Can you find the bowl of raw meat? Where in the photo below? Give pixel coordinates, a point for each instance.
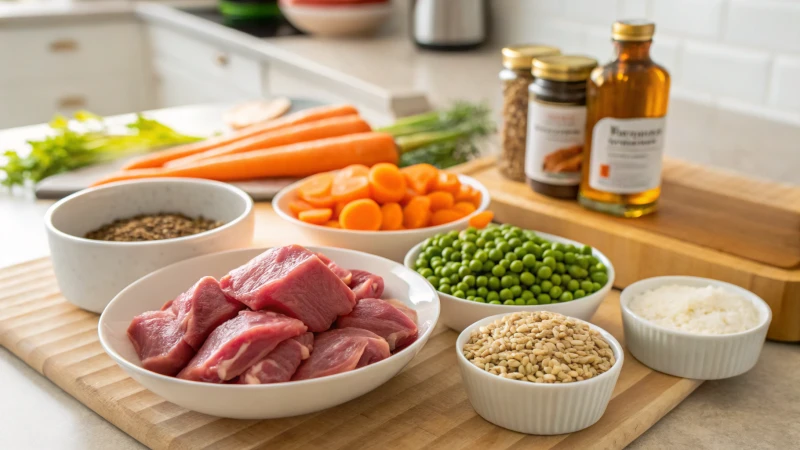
(259, 334)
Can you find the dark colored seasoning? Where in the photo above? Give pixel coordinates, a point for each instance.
(152, 227)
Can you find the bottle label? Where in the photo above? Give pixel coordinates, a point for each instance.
(626, 155)
(554, 149)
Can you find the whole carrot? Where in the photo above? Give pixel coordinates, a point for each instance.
(296, 160)
(158, 159)
(318, 129)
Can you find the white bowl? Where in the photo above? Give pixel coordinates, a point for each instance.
(687, 355)
(91, 272)
(458, 313)
(337, 20)
(389, 244)
(537, 408)
(271, 400)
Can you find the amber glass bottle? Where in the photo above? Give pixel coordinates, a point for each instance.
(626, 104)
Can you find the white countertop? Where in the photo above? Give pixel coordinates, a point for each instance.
(756, 410)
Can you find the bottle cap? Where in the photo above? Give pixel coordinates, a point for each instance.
(563, 67)
(633, 30)
(521, 56)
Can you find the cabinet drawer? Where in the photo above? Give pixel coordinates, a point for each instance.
(209, 61)
(103, 96)
(69, 51)
(175, 86)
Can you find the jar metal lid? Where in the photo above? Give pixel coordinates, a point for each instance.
(563, 67)
(633, 30)
(520, 56)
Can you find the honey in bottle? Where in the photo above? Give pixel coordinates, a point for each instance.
(626, 103)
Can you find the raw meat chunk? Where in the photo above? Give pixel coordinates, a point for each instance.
(382, 318)
(345, 275)
(293, 281)
(201, 309)
(238, 343)
(281, 363)
(158, 340)
(366, 285)
(404, 309)
(342, 350)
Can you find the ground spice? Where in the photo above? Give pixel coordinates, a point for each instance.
(152, 227)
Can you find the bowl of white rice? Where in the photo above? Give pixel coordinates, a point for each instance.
(694, 327)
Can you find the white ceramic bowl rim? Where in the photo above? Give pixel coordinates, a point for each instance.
(619, 355)
(755, 300)
(48, 218)
(120, 359)
(611, 274)
(485, 199)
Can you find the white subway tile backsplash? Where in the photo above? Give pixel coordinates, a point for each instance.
(632, 9)
(598, 44)
(724, 71)
(567, 36)
(545, 7)
(765, 23)
(785, 84)
(666, 51)
(692, 17)
(592, 11)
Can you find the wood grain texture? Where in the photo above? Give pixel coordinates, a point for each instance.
(714, 245)
(425, 406)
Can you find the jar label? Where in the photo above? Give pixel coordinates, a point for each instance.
(555, 141)
(627, 154)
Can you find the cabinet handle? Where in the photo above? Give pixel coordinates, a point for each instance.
(71, 102)
(63, 46)
(222, 59)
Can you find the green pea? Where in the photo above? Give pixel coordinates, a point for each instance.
(487, 266)
(516, 291)
(494, 283)
(426, 272)
(475, 265)
(587, 286)
(543, 299)
(510, 257)
(469, 248)
(507, 281)
(565, 296)
(517, 266)
(505, 263)
(495, 302)
(558, 255)
(536, 289)
(427, 242)
(489, 245)
(537, 251)
(544, 272)
(537, 266)
(527, 278)
(596, 287)
(593, 260)
(520, 252)
(470, 297)
(580, 293)
(577, 272)
(556, 279)
(457, 245)
(560, 247)
(482, 256)
(561, 268)
(600, 278)
(479, 299)
(433, 279)
(573, 285)
(532, 302)
(446, 242)
(506, 294)
(470, 280)
(509, 302)
(421, 263)
(514, 242)
(480, 242)
(519, 301)
(495, 254)
(462, 286)
(583, 263)
(456, 257)
(472, 292)
(549, 254)
(550, 262)
(546, 286)
(482, 281)
(526, 294)
(498, 270)
(556, 291)
(482, 292)
(529, 261)
(565, 279)
(445, 289)
(459, 294)
(492, 295)
(471, 238)
(447, 253)
(570, 258)
(454, 278)
(432, 251)
(503, 247)
(464, 271)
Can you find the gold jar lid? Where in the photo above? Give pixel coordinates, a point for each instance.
(633, 30)
(563, 67)
(520, 56)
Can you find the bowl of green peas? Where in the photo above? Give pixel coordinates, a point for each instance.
(503, 268)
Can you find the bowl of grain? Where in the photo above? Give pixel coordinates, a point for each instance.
(102, 239)
(694, 327)
(538, 372)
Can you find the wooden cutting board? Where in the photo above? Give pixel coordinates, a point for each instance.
(425, 406)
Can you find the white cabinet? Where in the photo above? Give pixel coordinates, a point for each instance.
(60, 69)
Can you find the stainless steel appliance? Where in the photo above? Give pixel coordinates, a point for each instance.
(449, 24)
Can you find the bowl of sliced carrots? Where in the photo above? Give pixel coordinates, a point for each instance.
(383, 209)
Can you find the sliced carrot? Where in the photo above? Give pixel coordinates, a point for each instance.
(447, 182)
(417, 212)
(410, 193)
(444, 216)
(353, 170)
(387, 183)
(476, 198)
(349, 189)
(392, 216)
(298, 206)
(325, 201)
(465, 207)
(440, 200)
(464, 194)
(316, 216)
(421, 177)
(316, 186)
(337, 209)
(362, 214)
(333, 224)
(480, 220)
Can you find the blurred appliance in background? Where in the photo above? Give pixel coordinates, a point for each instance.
(449, 24)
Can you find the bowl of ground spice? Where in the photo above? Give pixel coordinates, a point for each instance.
(103, 239)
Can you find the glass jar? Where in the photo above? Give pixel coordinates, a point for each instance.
(556, 124)
(515, 77)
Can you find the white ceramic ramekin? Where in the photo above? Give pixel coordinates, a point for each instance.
(687, 355)
(535, 408)
(90, 272)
